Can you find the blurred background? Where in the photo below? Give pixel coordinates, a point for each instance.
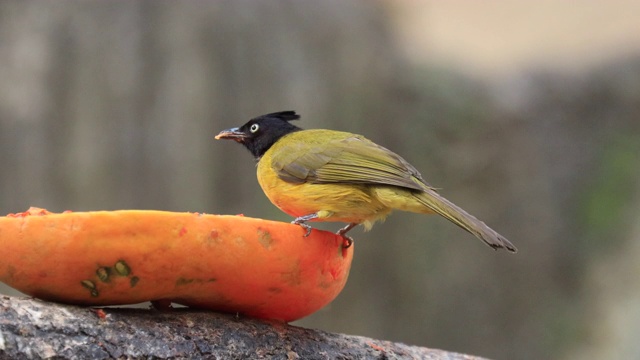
(525, 114)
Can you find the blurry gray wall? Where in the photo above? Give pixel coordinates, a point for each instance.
(114, 105)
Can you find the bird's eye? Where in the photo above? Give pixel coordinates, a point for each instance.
(254, 128)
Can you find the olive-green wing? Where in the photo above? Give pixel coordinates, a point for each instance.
(353, 159)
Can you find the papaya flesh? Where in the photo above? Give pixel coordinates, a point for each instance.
(254, 267)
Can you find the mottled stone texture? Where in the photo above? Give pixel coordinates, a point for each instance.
(31, 329)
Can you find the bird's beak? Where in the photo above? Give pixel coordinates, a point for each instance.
(232, 134)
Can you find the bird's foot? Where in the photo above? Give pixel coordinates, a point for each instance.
(308, 228)
(300, 220)
(348, 240)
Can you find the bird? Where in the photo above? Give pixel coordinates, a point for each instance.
(336, 176)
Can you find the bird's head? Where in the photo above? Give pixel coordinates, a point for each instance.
(259, 133)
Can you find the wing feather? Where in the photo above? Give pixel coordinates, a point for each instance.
(352, 159)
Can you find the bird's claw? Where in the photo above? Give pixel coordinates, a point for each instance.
(348, 241)
(301, 219)
(304, 226)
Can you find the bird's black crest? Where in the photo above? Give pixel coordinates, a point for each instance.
(282, 115)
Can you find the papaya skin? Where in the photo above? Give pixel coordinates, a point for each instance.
(236, 264)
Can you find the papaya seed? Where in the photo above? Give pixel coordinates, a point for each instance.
(88, 284)
(122, 268)
(91, 286)
(103, 273)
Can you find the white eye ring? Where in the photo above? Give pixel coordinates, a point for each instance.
(254, 128)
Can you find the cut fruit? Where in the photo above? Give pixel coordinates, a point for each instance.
(235, 264)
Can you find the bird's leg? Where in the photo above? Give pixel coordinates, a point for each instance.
(342, 232)
(300, 220)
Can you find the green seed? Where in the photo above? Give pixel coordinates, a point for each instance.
(122, 268)
(103, 273)
(88, 284)
(134, 280)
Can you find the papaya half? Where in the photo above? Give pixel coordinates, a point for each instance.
(236, 264)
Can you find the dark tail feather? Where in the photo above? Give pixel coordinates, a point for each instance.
(456, 215)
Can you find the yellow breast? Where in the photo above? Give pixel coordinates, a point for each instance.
(335, 202)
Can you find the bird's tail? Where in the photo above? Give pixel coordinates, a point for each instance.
(438, 204)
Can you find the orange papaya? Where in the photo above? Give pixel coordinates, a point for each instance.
(237, 264)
